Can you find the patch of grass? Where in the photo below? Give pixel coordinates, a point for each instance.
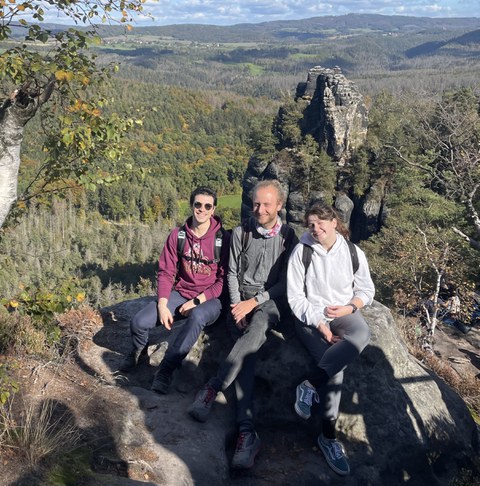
(255, 69)
(70, 469)
(38, 431)
(232, 201)
(301, 56)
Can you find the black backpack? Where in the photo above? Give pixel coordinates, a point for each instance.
(308, 251)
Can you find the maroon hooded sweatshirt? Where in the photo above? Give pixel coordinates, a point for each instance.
(197, 272)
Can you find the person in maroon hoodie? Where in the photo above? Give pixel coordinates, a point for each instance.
(188, 290)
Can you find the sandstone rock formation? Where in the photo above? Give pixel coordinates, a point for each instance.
(333, 112)
(399, 422)
(336, 115)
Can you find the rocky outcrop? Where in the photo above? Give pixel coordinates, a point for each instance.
(330, 109)
(336, 115)
(397, 419)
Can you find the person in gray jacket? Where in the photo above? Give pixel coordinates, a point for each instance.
(259, 252)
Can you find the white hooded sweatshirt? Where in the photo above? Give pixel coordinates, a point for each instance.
(328, 281)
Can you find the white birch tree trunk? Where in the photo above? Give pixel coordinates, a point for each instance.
(11, 137)
(15, 112)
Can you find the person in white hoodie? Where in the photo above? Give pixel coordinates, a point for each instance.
(325, 298)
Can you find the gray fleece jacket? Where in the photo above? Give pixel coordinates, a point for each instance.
(265, 272)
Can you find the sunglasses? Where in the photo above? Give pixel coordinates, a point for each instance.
(198, 205)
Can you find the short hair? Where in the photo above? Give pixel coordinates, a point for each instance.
(270, 183)
(204, 191)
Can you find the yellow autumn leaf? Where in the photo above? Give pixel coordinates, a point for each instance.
(63, 75)
(60, 75)
(80, 297)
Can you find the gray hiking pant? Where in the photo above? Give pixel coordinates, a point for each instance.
(239, 366)
(334, 358)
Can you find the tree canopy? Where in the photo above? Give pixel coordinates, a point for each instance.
(51, 72)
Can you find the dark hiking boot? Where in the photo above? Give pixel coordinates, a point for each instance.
(248, 446)
(134, 358)
(162, 381)
(200, 408)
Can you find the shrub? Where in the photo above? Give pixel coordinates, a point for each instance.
(19, 335)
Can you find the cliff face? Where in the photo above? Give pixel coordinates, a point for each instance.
(336, 115)
(329, 109)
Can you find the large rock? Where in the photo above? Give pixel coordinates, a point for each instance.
(336, 115)
(398, 421)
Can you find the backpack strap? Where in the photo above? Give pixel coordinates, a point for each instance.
(245, 236)
(217, 246)
(182, 235)
(307, 252)
(287, 233)
(354, 255)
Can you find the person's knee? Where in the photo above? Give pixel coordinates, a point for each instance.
(359, 336)
(137, 324)
(199, 318)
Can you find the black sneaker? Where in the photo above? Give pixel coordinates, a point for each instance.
(248, 446)
(200, 408)
(161, 381)
(133, 359)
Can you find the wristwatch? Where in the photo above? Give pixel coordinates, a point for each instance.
(354, 307)
(196, 301)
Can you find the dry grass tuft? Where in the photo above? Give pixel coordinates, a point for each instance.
(39, 431)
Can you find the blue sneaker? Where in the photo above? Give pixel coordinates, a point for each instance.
(334, 454)
(305, 396)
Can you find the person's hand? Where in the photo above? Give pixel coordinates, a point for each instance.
(336, 311)
(242, 309)
(242, 324)
(325, 331)
(186, 308)
(166, 318)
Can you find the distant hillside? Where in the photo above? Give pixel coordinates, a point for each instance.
(469, 41)
(305, 30)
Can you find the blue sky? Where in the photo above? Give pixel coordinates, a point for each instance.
(221, 12)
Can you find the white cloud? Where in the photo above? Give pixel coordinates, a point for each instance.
(221, 12)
